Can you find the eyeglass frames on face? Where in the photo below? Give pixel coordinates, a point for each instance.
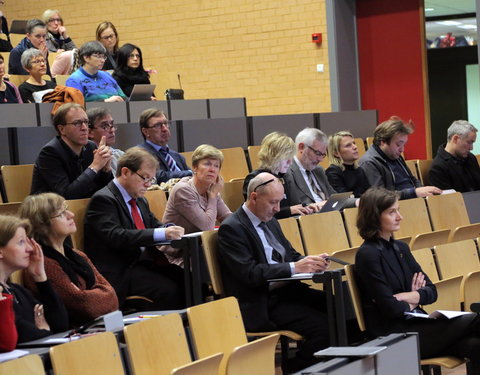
(107, 126)
(99, 56)
(63, 213)
(78, 123)
(158, 125)
(316, 152)
(146, 180)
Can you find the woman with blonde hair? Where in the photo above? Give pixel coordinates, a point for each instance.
(276, 154)
(343, 173)
(107, 35)
(57, 36)
(85, 292)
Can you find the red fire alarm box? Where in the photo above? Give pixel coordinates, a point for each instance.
(317, 38)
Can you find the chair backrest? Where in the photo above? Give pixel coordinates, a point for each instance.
(51, 57)
(9, 208)
(253, 156)
(447, 211)
(415, 218)
(348, 255)
(17, 277)
(465, 232)
(457, 258)
(157, 345)
(355, 294)
(232, 194)
(216, 327)
(256, 357)
(369, 141)
(15, 39)
(470, 289)
(17, 79)
(323, 233)
(425, 259)
(430, 239)
(423, 167)
(61, 79)
(205, 366)
(210, 248)
(412, 165)
(188, 157)
(157, 200)
(350, 217)
(360, 143)
(449, 298)
(234, 163)
(29, 365)
(97, 354)
(291, 231)
(79, 208)
(17, 180)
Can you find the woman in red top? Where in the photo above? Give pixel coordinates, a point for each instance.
(8, 331)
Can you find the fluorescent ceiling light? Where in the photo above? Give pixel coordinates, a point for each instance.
(429, 9)
(449, 23)
(467, 27)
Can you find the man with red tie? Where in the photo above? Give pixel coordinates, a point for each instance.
(121, 233)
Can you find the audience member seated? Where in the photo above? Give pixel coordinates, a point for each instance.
(306, 181)
(8, 331)
(5, 45)
(343, 173)
(36, 65)
(65, 63)
(252, 250)
(384, 165)
(71, 165)
(121, 233)
(85, 293)
(276, 153)
(129, 71)
(34, 318)
(57, 36)
(107, 35)
(36, 38)
(101, 125)
(455, 167)
(8, 91)
(155, 129)
(95, 85)
(392, 283)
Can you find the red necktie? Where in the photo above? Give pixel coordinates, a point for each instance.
(137, 219)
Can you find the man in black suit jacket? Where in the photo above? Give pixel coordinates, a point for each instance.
(70, 164)
(121, 232)
(155, 130)
(250, 257)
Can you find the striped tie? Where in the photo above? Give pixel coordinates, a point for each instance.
(171, 164)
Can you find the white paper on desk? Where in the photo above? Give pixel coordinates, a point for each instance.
(12, 355)
(297, 276)
(350, 351)
(439, 314)
(61, 340)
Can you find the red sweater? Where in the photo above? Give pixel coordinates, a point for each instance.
(8, 332)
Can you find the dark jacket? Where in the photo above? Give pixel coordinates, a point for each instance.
(15, 64)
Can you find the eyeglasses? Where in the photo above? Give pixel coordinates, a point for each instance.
(146, 180)
(62, 213)
(55, 20)
(316, 152)
(158, 125)
(134, 55)
(107, 126)
(39, 61)
(107, 37)
(99, 56)
(263, 184)
(78, 123)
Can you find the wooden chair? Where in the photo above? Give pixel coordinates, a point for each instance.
(253, 156)
(17, 277)
(323, 233)
(429, 239)
(188, 157)
(61, 79)
(360, 143)
(29, 365)
(447, 211)
(427, 364)
(217, 327)
(350, 217)
(348, 255)
(234, 163)
(470, 290)
(79, 208)
(17, 79)
(205, 366)
(9, 208)
(232, 194)
(17, 180)
(423, 167)
(148, 355)
(449, 298)
(369, 141)
(97, 354)
(291, 231)
(51, 57)
(415, 218)
(457, 258)
(412, 165)
(15, 39)
(425, 259)
(209, 243)
(465, 232)
(157, 200)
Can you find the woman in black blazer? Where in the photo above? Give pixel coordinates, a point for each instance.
(392, 283)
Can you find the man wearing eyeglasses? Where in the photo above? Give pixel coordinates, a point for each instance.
(121, 233)
(70, 164)
(155, 130)
(252, 250)
(306, 179)
(36, 38)
(101, 125)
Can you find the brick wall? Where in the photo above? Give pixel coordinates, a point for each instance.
(260, 50)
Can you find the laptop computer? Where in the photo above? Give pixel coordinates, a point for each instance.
(142, 93)
(336, 201)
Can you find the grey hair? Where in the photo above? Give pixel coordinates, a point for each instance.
(89, 48)
(308, 135)
(33, 23)
(28, 55)
(95, 113)
(49, 13)
(461, 128)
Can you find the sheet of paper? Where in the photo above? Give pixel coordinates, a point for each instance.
(12, 355)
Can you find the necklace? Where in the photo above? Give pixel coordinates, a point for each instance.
(8, 290)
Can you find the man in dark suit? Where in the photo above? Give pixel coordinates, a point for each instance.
(155, 129)
(306, 181)
(70, 164)
(121, 233)
(253, 250)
